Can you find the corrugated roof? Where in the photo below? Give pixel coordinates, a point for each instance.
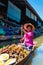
(32, 9)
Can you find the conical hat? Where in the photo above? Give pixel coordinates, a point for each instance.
(29, 24)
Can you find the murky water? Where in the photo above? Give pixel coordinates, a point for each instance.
(37, 58)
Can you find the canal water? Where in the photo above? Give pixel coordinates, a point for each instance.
(37, 58)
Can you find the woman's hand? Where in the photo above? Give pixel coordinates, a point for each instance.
(21, 40)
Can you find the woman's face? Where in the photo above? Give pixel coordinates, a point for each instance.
(29, 29)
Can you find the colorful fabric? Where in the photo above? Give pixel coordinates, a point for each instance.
(28, 38)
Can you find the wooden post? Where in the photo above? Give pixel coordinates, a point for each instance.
(21, 31)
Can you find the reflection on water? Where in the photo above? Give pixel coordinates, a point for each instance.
(37, 58)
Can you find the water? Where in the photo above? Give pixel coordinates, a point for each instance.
(37, 58)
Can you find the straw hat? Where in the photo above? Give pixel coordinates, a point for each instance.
(29, 24)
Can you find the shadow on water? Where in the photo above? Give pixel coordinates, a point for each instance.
(38, 36)
(30, 62)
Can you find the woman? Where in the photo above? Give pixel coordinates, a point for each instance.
(28, 36)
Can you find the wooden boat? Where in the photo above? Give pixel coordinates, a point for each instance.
(24, 60)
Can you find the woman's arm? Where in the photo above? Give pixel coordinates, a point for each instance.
(24, 31)
(22, 39)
